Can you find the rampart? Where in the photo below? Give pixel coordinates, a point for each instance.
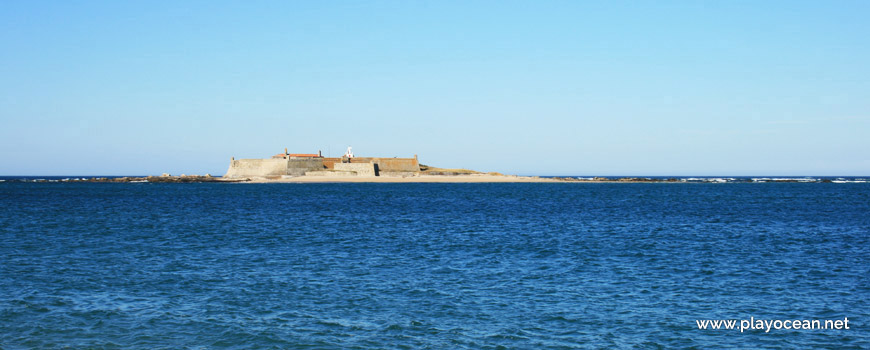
(384, 164)
(299, 166)
(273, 167)
(390, 164)
(361, 169)
(256, 167)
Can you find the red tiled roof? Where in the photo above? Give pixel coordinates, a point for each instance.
(300, 155)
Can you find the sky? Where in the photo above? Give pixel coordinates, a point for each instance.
(707, 88)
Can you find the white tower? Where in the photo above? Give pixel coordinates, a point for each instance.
(349, 153)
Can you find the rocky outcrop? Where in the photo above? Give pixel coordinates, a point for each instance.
(153, 179)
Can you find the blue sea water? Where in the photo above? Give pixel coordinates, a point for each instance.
(440, 266)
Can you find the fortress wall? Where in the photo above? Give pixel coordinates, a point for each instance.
(328, 162)
(361, 169)
(397, 164)
(256, 167)
(298, 166)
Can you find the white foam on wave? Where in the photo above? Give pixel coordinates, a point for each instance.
(709, 179)
(785, 179)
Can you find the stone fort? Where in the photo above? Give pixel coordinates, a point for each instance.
(295, 164)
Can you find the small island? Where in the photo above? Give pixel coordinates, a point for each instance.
(314, 167)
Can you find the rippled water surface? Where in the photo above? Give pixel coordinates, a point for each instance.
(442, 266)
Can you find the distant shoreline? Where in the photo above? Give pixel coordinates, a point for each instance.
(426, 178)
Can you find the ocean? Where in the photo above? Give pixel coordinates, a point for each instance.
(438, 266)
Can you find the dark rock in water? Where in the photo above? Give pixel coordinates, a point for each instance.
(163, 178)
(566, 179)
(186, 179)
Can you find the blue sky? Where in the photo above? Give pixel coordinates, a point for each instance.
(541, 88)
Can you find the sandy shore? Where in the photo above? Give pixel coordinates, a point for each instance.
(410, 179)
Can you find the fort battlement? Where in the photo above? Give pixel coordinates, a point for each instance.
(290, 164)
